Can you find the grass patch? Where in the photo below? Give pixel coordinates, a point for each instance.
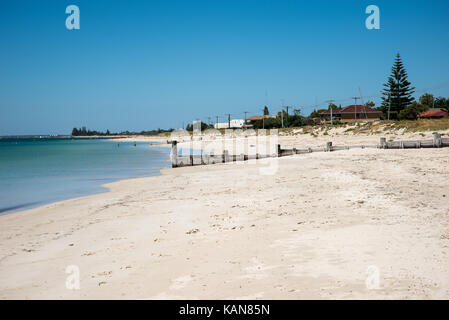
(422, 125)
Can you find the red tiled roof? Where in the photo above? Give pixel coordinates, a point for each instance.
(352, 109)
(359, 109)
(255, 118)
(433, 113)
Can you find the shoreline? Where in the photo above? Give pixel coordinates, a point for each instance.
(226, 231)
(97, 186)
(285, 139)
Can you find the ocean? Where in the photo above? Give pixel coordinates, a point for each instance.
(36, 171)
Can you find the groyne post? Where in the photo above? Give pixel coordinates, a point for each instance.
(174, 154)
(437, 140)
(225, 156)
(383, 143)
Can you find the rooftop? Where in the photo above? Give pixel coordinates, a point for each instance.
(433, 113)
(352, 109)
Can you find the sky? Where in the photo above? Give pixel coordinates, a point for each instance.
(142, 65)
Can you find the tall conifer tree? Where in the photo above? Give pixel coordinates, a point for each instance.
(398, 90)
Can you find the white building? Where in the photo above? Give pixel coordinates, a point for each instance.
(234, 124)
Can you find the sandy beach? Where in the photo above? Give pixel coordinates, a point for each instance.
(215, 158)
(319, 227)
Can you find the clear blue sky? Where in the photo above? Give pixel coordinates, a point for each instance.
(138, 65)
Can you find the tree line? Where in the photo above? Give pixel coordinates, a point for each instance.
(283, 119)
(86, 132)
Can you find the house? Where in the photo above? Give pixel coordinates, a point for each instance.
(352, 113)
(359, 112)
(433, 114)
(251, 120)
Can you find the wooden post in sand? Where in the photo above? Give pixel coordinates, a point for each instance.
(329, 146)
(174, 154)
(436, 140)
(225, 156)
(279, 150)
(383, 143)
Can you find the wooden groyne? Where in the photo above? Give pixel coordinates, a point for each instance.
(436, 142)
(205, 159)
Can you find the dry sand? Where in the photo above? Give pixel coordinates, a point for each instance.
(316, 228)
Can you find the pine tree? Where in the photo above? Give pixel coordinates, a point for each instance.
(265, 111)
(398, 90)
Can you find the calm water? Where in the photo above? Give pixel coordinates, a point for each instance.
(38, 171)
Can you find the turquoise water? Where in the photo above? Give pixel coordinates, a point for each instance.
(38, 171)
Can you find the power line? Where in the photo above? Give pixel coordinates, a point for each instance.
(363, 104)
(355, 107)
(331, 103)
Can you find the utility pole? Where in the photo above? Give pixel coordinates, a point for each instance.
(263, 118)
(355, 107)
(389, 105)
(363, 104)
(286, 116)
(229, 120)
(216, 122)
(331, 102)
(282, 113)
